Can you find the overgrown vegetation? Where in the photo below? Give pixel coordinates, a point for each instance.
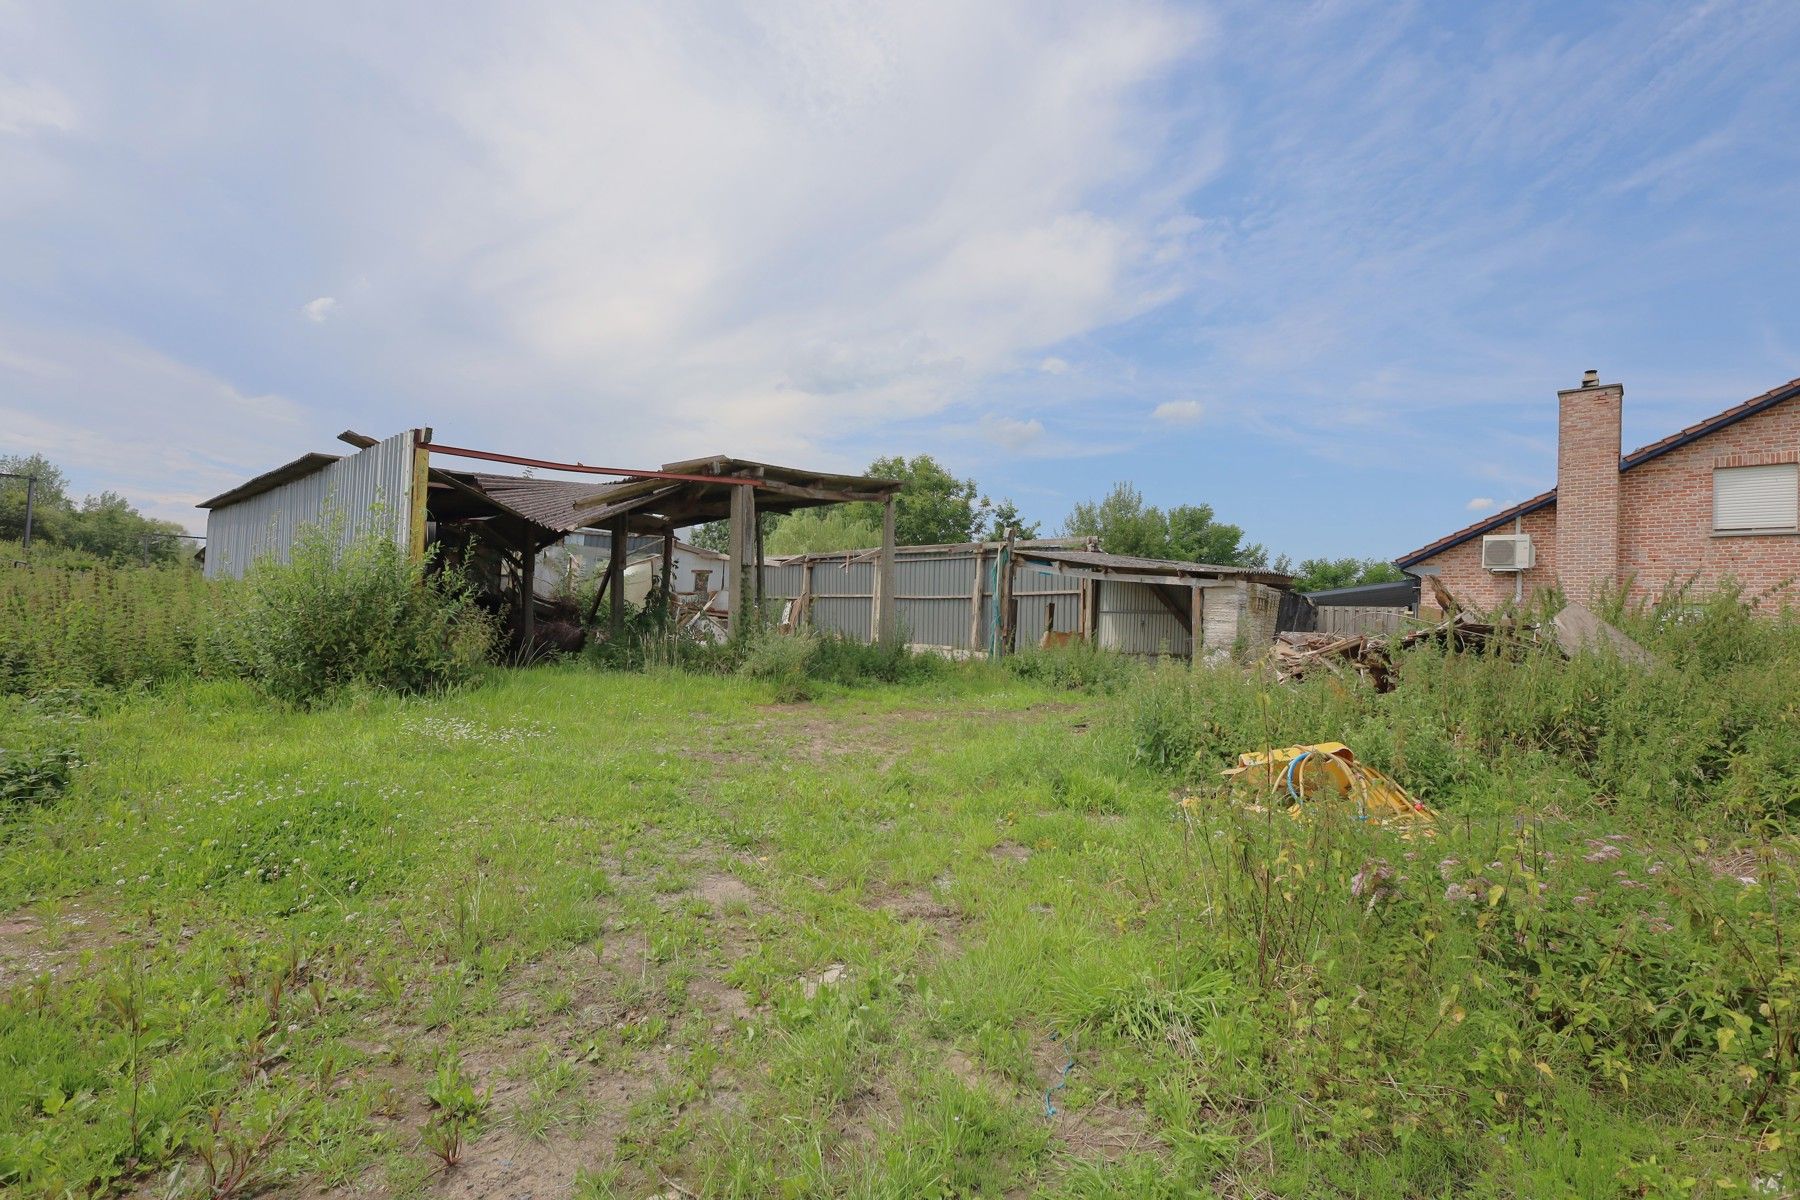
(103, 627)
(339, 616)
(979, 930)
(358, 613)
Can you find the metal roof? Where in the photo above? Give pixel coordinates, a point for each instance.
(301, 467)
(1100, 564)
(546, 502)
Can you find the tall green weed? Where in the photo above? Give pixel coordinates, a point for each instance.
(361, 613)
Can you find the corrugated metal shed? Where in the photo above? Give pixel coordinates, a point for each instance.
(1134, 621)
(367, 492)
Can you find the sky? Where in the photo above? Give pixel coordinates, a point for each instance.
(1321, 265)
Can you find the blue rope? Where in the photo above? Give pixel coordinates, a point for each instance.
(1060, 1084)
(1287, 776)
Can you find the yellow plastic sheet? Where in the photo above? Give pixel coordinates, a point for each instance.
(1326, 773)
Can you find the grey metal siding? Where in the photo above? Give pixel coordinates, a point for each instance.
(372, 489)
(1035, 590)
(1134, 621)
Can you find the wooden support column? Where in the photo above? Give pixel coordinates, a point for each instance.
(886, 622)
(1197, 624)
(527, 593)
(975, 606)
(667, 585)
(738, 591)
(760, 584)
(615, 574)
(1005, 607)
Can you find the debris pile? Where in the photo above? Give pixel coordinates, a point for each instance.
(1371, 655)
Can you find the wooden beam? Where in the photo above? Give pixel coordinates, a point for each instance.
(668, 575)
(743, 533)
(823, 495)
(975, 604)
(759, 565)
(887, 621)
(527, 597)
(615, 570)
(1181, 613)
(1197, 625)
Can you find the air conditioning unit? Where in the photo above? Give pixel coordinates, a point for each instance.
(1508, 552)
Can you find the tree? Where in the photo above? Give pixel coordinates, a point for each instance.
(933, 507)
(50, 499)
(107, 525)
(1004, 516)
(818, 530)
(1186, 533)
(1320, 574)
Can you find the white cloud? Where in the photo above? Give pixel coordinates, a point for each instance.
(1053, 366)
(317, 311)
(1480, 504)
(114, 414)
(31, 106)
(1179, 412)
(1013, 433)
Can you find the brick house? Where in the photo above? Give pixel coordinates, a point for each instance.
(1718, 500)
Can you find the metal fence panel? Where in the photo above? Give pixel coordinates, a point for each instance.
(1350, 619)
(371, 489)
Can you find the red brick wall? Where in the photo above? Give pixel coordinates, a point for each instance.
(1460, 570)
(1587, 488)
(1665, 527)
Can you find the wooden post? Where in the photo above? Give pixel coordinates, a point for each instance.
(527, 594)
(615, 573)
(975, 606)
(666, 600)
(760, 572)
(887, 625)
(1005, 608)
(421, 491)
(1197, 625)
(738, 592)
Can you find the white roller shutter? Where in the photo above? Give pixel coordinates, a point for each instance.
(1756, 498)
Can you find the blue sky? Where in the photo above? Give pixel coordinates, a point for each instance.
(1320, 265)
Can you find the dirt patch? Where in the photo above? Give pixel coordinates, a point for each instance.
(1009, 852)
(1101, 1128)
(503, 1162)
(34, 944)
(721, 1000)
(721, 891)
(1104, 1131)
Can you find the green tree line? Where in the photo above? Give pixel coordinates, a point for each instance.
(106, 525)
(936, 507)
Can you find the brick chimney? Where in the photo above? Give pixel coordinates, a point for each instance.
(1587, 485)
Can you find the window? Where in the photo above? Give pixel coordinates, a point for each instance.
(1756, 499)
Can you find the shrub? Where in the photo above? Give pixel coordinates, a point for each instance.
(1079, 666)
(362, 613)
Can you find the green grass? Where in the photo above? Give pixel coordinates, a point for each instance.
(679, 938)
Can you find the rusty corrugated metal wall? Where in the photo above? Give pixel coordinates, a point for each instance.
(371, 489)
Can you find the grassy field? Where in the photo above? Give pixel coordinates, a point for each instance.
(603, 934)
